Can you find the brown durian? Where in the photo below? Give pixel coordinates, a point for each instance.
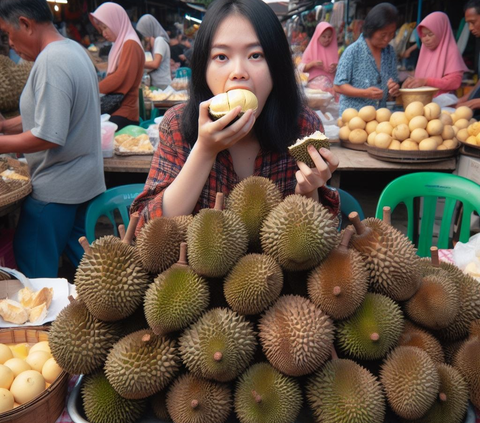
(467, 361)
(413, 336)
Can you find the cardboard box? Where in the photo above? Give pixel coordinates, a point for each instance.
(469, 167)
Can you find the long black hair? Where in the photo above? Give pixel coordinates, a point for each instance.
(277, 126)
(382, 15)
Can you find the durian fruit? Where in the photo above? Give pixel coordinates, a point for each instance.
(452, 401)
(413, 336)
(342, 391)
(219, 346)
(475, 328)
(339, 284)
(411, 381)
(183, 222)
(467, 361)
(299, 150)
(158, 244)
(253, 284)
(264, 395)
(299, 233)
(296, 335)
(141, 364)
(110, 279)
(389, 257)
(252, 199)
(216, 240)
(79, 342)
(372, 330)
(194, 400)
(158, 403)
(102, 404)
(222, 103)
(450, 349)
(176, 298)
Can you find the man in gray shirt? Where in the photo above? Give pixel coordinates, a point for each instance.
(58, 130)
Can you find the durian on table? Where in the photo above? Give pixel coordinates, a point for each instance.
(246, 338)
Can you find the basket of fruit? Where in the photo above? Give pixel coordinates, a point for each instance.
(33, 387)
(14, 181)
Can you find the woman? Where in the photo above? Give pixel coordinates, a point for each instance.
(157, 41)
(240, 44)
(438, 47)
(320, 58)
(367, 71)
(125, 61)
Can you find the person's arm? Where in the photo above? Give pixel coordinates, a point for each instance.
(473, 104)
(406, 54)
(25, 142)
(465, 97)
(373, 93)
(314, 64)
(11, 126)
(155, 63)
(449, 82)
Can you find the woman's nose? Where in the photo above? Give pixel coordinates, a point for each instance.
(239, 70)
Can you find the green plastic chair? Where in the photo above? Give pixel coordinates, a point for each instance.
(183, 73)
(118, 198)
(431, 186)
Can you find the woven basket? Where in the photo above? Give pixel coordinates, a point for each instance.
(15, 190)
(50, 403)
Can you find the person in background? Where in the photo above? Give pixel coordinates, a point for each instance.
(59, 133)
(158, 44)
(438, 47)
(320, 58)
(177, 49)
(367, 71)
(240, 44)
(125, 61)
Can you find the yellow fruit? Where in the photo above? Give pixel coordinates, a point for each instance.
(37, 359)
(344, 133)
(371, 139)
(394, 145)
(51, 370)
(41, 346)
(356, 123)
(6, 376)
(358, 136)
(408, 145)
(348, 114)
(442, 147)
(371, 126)
(20, 350)
(17, 365)
(7, 401)
(464, 112)
(398, 118)
(448, 133)
(383, 140)
(432, 111)
(454, 117)
(415, 108)
(462, 123)
(339, 122)
(367, 113)
(428, 144)
(383, 115)
(446, 118)
(27, 386)
(5, 353)
(462, 135)
(471, 140)
(384, 128)
(435, 127)
(450, 143)
(474, 129)
(418, 135)
(438, 139)
(401, 132)
(418, 122)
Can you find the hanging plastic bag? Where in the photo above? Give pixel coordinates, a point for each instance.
(467, 256)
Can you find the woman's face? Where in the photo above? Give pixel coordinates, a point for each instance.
(106, 32)
(383, 36)
(237, 61)
(429, 39)
(326, 38)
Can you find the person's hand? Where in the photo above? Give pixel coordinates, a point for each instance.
(218, 135)
(473, 104)
(414, 82)
(393, 88)
(310, 179)
(319, 64)
(373, 93)
(332, 68)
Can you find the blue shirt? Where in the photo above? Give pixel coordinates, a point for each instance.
(358, 68)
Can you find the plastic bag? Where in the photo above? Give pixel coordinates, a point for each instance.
(467, 256)
(132, 130)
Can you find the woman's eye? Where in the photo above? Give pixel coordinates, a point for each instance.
(220, 57)
(256, 55)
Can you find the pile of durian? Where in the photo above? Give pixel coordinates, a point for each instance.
(263, 312)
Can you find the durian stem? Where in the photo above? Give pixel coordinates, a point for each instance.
(71, 299)
(257, 397)
(387, 215)
(442, 396)
(374, 336)
(183, 254)
(434, 256)
(194, 403)
(357, 223)
(333, 353)
(134, 218)
(219, 201)
(347, 235)
(85, 245)
(218, 356)
(337, 291)
(146, 337)
(121, 231)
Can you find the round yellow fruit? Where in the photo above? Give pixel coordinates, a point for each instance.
(408, 145)
(7, 401)
(20, 350)
(17, 365)
(356, 123)
(358, 136)
(348, 114)
(398, 118)
(51, 370)
(371, 126)
(339, 122)
(27, 386)
(448, 132)
(446, 118)
(382, 140)
(367, 113)
(462, 123)
(6, 376)
(462, 134)
(478, 139)
(415, 108)
(384, 128)
(418, 122)
(394, 145)
(401, 132)
(449, 144)
(437, 138)
(383, 115)
(454, 117)
(41, 346)
(37, 359)
(344, 133)
(464, 112)
(5, 353)
(442, 147)
(418, 135)
(428, 144)
(432, 111)
(471, 140)
(371, 139)
(435, 127)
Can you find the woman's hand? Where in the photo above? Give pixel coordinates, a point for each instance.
(218, 135)
(414, 82)
(316, 64)
(393, 88)
(333, 68)
(373, 93)
(310, 179)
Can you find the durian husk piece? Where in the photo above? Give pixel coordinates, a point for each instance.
(411, 381)
(413, 336)
(467, 361)
(296, 335)
(299, 150)
(193, 399)
(339, 284)
(263, 394)
(222, 103)
(13, 312)
(344, 392)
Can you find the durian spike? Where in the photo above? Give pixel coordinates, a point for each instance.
(256, 397)
(194, 403)
(374, 336)
(333, 353)
(347, 235)
(86, 246)
(134, 218)
(442, 396)
(218, 356)
(121, 231)
(219, 201)
(434, 256)
(387, 215)
(360, 228)
(182, 261)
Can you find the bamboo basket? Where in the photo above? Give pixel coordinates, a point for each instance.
(47, 407)
(11, 192)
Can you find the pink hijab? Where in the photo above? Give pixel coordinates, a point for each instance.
(114, 16)
(446, 58)
(315, 51)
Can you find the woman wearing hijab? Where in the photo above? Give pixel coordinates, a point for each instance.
(320, 58)
(157, 42)
(439, 64)
(125, 61)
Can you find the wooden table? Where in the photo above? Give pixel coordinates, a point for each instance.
(131, 164)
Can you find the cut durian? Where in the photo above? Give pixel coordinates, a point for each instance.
(13, 312)
(299, 150)
(38, 313)
(222, 103)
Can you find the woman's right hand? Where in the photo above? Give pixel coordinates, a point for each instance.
(373, 93)
(218, 135)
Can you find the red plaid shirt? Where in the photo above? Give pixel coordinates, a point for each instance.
(172, 153)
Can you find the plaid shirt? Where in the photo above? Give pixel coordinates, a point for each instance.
(172, 153)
